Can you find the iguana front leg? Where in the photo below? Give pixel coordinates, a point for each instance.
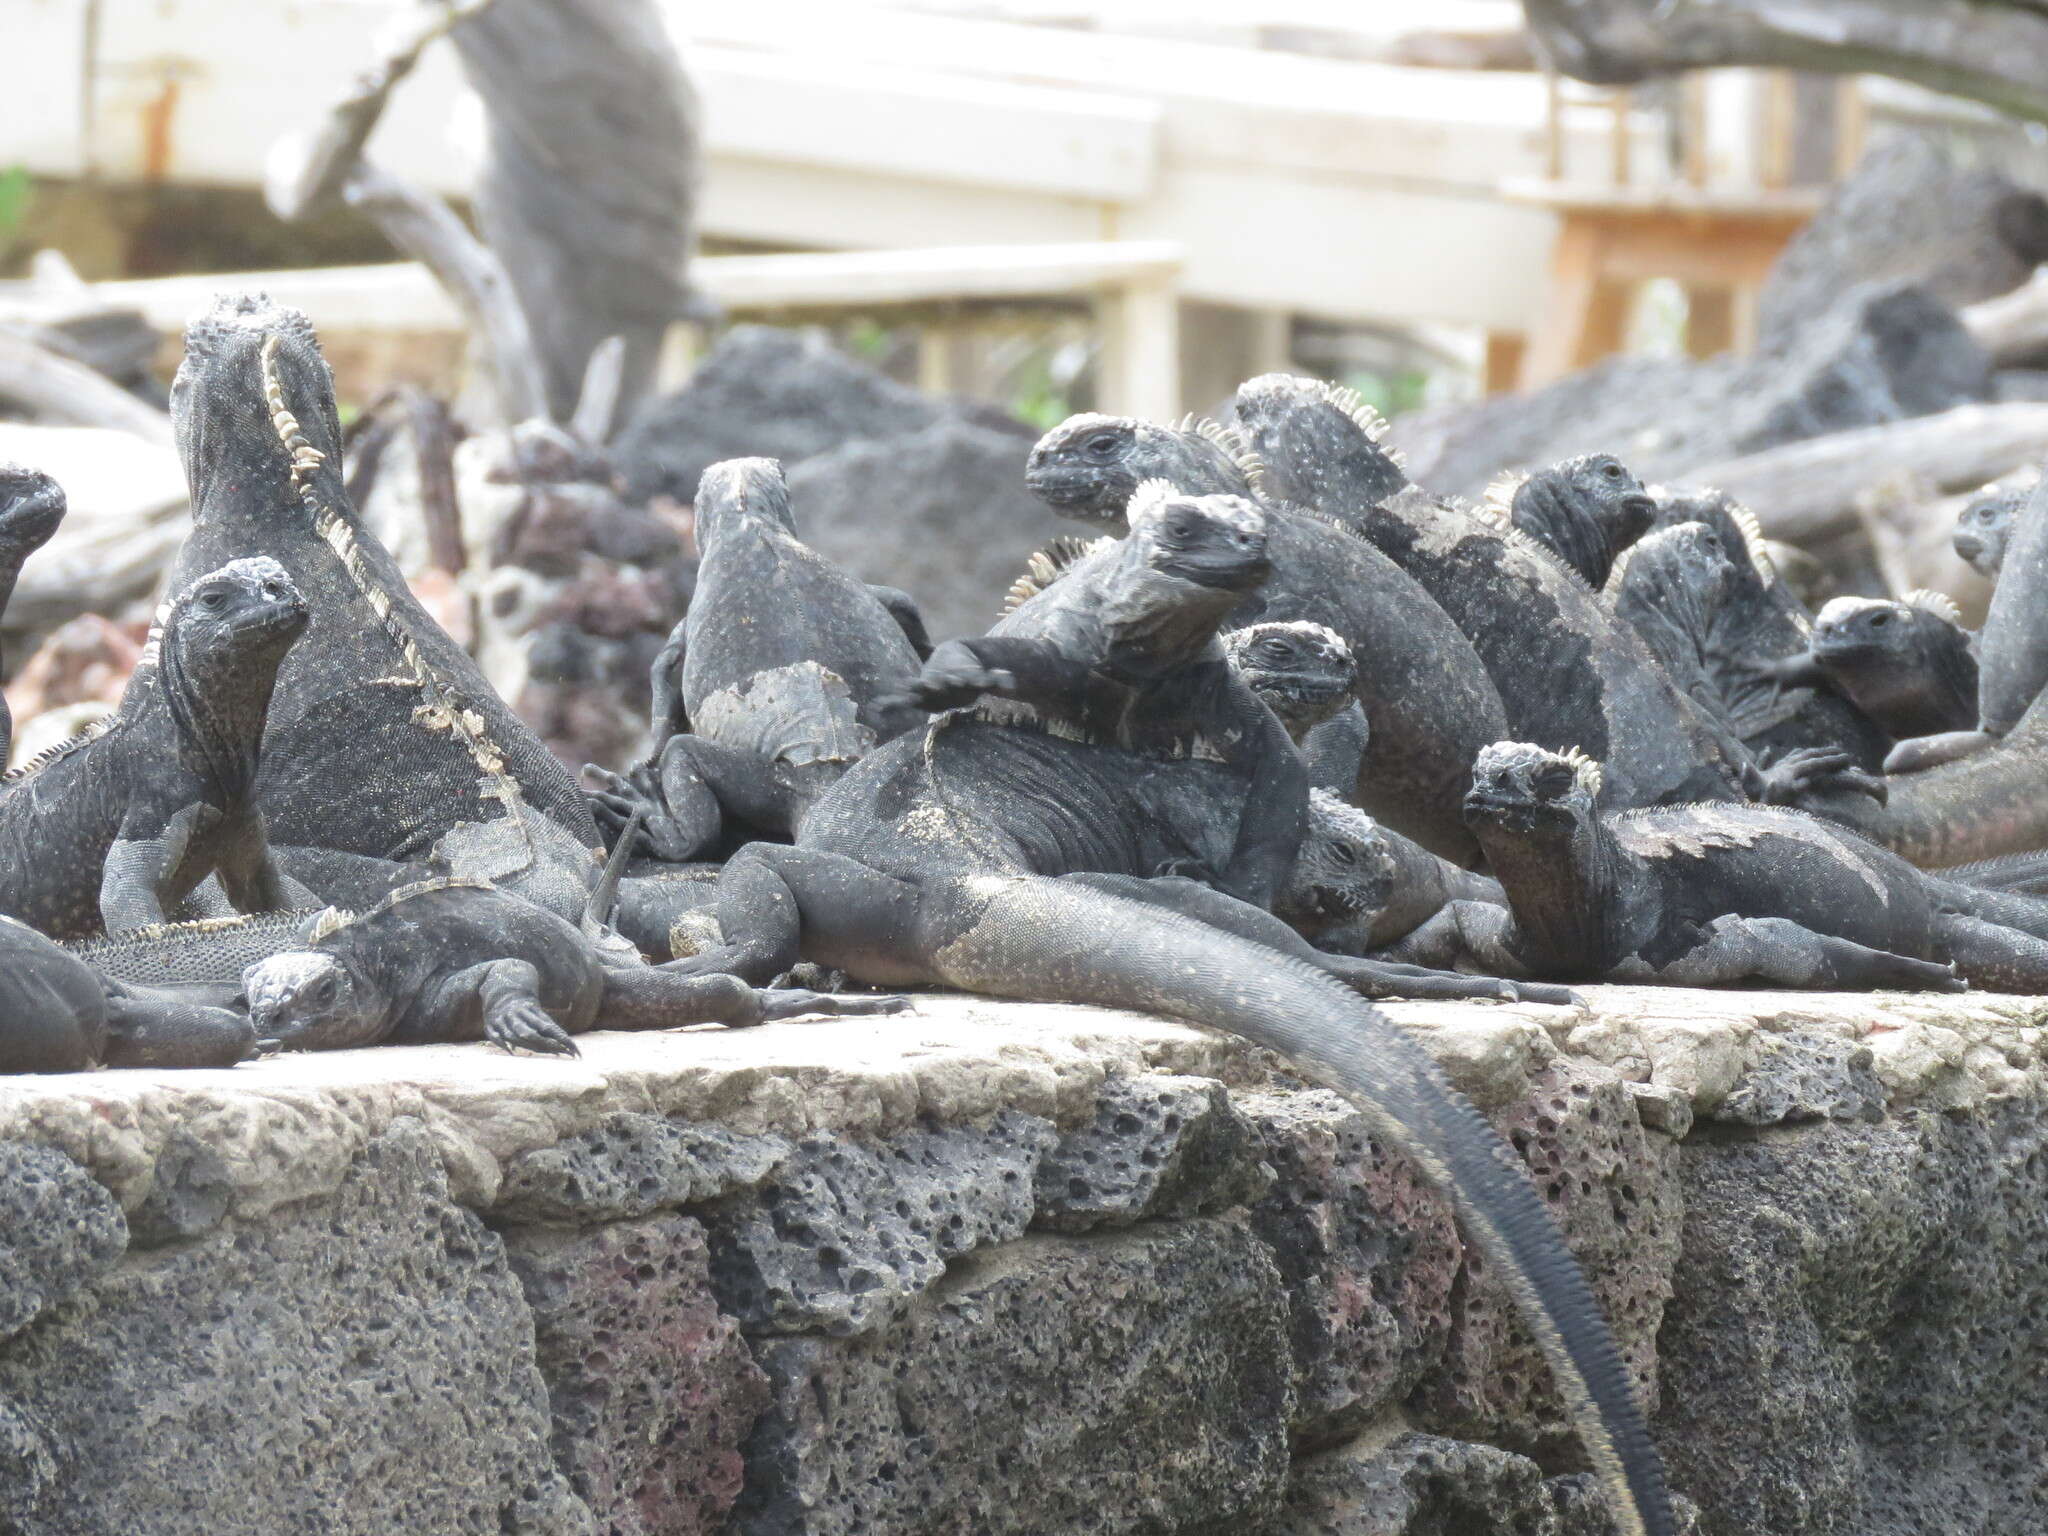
(1037, 672)
(507, 994)
(150, 868)
(1335, 749)
(1780, 952)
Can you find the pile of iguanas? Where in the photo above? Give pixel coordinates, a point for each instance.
(1289, 734)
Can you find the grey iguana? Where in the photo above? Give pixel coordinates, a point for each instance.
(1586, 511)
(1308, 677)
(116, 827)
(1907, 663)
(31, 507)
(1984, 525)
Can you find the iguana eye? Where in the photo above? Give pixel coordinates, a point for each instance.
(1611, 470)
(1278, 650)
(212, 600)
(1879, 619)
(1555, 780)
(1342, 853)
(1103, 445)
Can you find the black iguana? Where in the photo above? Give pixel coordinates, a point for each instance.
(384, 741)
(116, 827)
(769, 687)
(1907, 663)
(1308, 677)
(58, 1014)
(1567, 671)
(451, 959)
(31, 507)
(1586, 511)
(1983, 527)
(1713, 895)
(1426, 696)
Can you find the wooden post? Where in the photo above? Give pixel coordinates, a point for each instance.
(1139, 373)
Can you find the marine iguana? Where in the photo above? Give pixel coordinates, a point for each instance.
(1308, 677)
(31, 507)
(1428, 700)
(1984, 526)
(57, 1014)
(773, 683)
(1670, 587)
(114, 828)
(1586, 511)
(1906, 663)
(384, 739)
(1760, 620)
(1712, 895)
(449, 960)
(1568, 673)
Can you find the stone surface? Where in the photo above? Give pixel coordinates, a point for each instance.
(633, 1165)
(1112, 1383)
(1800, 1075)
(1421, 1485)
(360, 1364)
(59, 1231)
(652, 1389)
(1157, 1147)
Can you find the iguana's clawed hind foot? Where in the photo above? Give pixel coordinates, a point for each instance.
(521, 1024)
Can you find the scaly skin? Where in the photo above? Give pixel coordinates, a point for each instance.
(1586, 511)
(1567, 672)
(1713, 895)
(384, 738)
(31, 507)
(116, 828)
(1427, 699)
(1907, 665)
(769, 688)
(1309, 679)
(1983, 528)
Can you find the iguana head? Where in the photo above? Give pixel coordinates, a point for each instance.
(1088, 467)
(31, 507)
(1213, 542)
(309, 1000)
(1344, 872)
(1687, 563)
(1984, 526)
(219, 652)
(734, 490)
(1855, 634)
(1587, 509)
(1305, 672)
(1524, 791)
(253, 406)
(1316, 442)
(247, 609)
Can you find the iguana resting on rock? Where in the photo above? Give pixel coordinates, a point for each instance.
(116, 827)
(1586, 511)
(31, 507)
(1427, 697)
(1308, 677)
(1712, 895)
(1907, 664)
(384, 741)
(57, 1014)
(1670, 587)
(1758, 621)
(769, 688)
(450, 960)
(1984, 526)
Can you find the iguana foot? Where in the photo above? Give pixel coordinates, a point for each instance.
(953, 678)
(617, 800)
(1798, 772)
(794, 1002)
(521, 1024)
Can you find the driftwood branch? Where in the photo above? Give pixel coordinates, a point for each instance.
(56, 389)
(2013, 325)
(1986, 50)
(1807, 490)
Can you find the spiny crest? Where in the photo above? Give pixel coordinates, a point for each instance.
(64, 748)
(1147, 500)
(1353, 404)
(419, 888)
(1228, 441)
(305, 457)
(1940, 604)
(1753, 540)
(329, 922)
(192, 929)
(1497, 506)
(1585, 769)
(1047, 565)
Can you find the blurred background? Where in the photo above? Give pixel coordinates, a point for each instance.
(564, 253)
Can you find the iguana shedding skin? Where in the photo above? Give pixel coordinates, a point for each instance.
(114, 828)
(1713, 895)
(451, 960)
(1984, 526)
(1567, 672)
(1308, 677)
(1907, 664)
(384, 738)
(58, 1014)
(31, 507)
(771, 685)
(1586, 511)
(1670, 587)
(1425, 694)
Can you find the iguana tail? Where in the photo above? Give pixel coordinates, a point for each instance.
(1046, 940)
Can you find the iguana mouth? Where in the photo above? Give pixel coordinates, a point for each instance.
(1071, 490)
(35, 517)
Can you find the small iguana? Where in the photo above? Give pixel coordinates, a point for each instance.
(116, 827)
(57, 1014)
(2012, 650)
(1906, 663)
(384, 740)
(769, 687)
(1566, 670)
(1425, 694)
(452, 960)
(1671, 587)
(1983, 527)
(1713, 895)
(1308, 677)
(1586, 511)
(31, 507)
